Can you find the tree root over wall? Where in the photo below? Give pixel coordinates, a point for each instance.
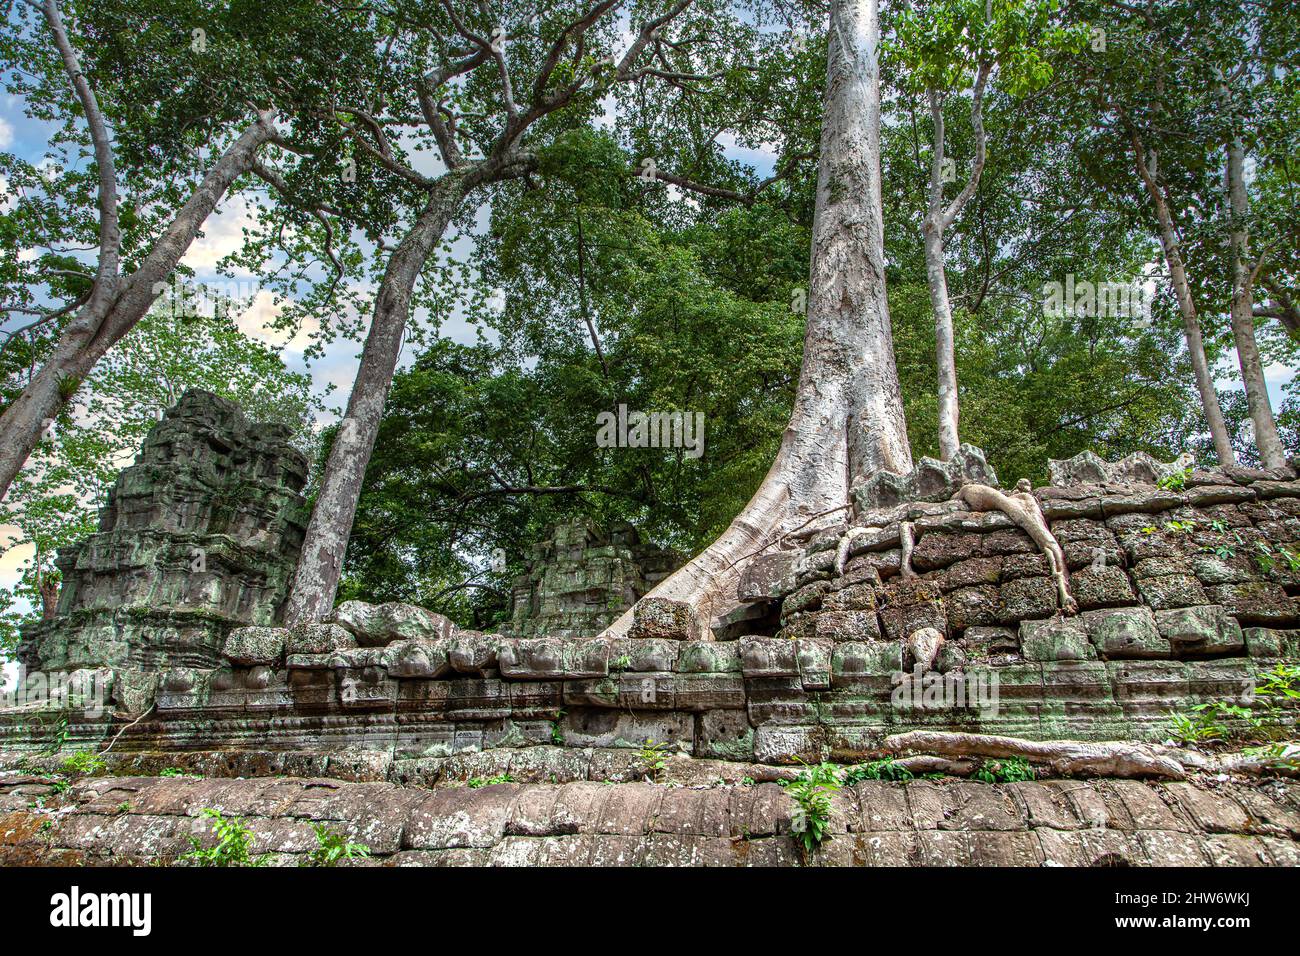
(1081, 759)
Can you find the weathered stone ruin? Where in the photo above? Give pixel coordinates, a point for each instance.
(927, 615)
(199, 535)
(580, 580)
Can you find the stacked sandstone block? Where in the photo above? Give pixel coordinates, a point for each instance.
(580, 579)
(199, 535)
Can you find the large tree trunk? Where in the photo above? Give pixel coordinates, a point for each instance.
(1187, 306)
(316, 580)
(1271, 452)
(106, 318)
(848, 412)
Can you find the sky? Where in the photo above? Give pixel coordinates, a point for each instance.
(223, 234)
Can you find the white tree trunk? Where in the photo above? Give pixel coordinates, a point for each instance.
(316, 580)
(1271, 452)
(848, 411)
(936, 278)
(937, 220)
(106, 318)
(1187, 306)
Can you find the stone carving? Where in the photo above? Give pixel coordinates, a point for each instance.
(923, 647)
(581, 579)
(199, 535)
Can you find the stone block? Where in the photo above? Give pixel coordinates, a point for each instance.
(841, 626)
(1055, 639)
(1172, 591)
(1126, 633)
(471, 653)
(854, 597)
(768, 576)
(853, 661)
(318, 639)
(1194, 631)
(376, 625)
(814, 659)
(1256, 602)
(1101, 587)
(769, 657)
(707, 657)
(1026, 598)
(644, 654)
(664, 619)
(422, 659)
(972, 607)
(248, 646)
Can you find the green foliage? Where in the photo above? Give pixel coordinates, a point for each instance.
(1175, 480)
(1276, 756)
(475, 783)
(178, 772)
(654, 758)
(232, 848)
(1268, 557)
(84, 763)
(1198, 724)
(884, 769)
(812, 791)
(332, 848)
(1005, 770)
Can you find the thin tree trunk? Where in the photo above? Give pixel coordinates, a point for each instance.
(316, 580)
(104, 320)
(938, 219)
(936, 277)
(945, 349)
(1271, 452)
(1187, 306)
(848, 419)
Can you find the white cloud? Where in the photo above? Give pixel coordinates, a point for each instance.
(257, 322)
(223, 233)
(6, 133)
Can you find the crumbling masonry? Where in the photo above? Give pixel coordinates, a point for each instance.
(1183, 592)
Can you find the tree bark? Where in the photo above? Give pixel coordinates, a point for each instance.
(316, 580)
(105, 319)
(1271, 452)
(937, 220)
(848, 419)
(1187, 307)
(1068, 758)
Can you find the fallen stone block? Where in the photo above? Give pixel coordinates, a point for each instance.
(376, 625)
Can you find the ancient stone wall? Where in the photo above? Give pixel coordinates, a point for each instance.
(1185, 597)
(134, 820)
(927, 616)
(199, 535)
